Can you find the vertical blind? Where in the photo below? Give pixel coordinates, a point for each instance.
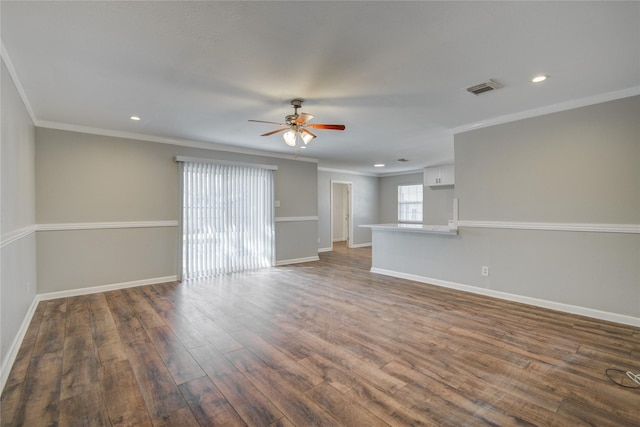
(227, 219)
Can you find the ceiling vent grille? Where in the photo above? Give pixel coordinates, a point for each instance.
(484, 87)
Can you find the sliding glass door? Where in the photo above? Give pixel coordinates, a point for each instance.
(227, 218)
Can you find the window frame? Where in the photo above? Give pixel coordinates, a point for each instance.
(410, 202)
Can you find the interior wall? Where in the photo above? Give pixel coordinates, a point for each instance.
(364, 207)
(85, 181)
(388, 205)
(573, 167)
(17, 217)
(437, 203)
(577, 166)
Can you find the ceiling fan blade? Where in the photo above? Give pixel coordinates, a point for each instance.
(326, 126)
(274, 131)
(273, 123)
(303, 118)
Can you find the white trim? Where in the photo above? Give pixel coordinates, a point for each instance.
(172, 141)
(14, 236)
(16, 82)
(12, 353)
(105, 288)
(224, 162)
(296, 218)
(325, 250)
(384, 175)
(348, 172)
(105, 225)
(297, 260)
(563, 106)
(360, 245)
(567, 308)
(595, 228)
(404, 227)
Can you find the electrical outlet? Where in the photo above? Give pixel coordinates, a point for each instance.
(485, 271)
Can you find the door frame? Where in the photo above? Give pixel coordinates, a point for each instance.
(349, 185)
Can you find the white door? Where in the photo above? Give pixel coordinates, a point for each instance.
(341, 212)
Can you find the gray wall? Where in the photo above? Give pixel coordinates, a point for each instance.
(365, 193)
(577, 166)
(85, 178)
(437, 202)
(17, 213)
(580, 165)
(388, 204)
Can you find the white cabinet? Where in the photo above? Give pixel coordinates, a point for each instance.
(439, 176)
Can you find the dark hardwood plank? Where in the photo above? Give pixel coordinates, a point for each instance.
(295, 405)
(344, 411)
(158, 389)
(179, 361)
(40, 398)
(253, 407)
(104, 330)
(149, 318)
(321, 343)
(52, 328)
(15, 382)
(360, 391)
(84, 409)
(209, 405)
(181, 417)
(124, 404)
(127, 322)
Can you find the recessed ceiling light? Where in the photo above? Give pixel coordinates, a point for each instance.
(538, 79)
(136, 118)
(378, 165)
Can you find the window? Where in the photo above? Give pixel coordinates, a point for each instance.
(410, 203)
(227, 219)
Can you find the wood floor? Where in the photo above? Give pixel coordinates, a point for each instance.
(322, 343)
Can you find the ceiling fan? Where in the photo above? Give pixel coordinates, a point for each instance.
(296, 127)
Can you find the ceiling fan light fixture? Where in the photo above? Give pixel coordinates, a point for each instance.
(306, 137)
(290, 138)
(295, 132)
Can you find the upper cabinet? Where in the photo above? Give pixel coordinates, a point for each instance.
(439, 176)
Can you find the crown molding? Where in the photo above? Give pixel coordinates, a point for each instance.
(549, 109)
(411, 172)
(213, 146)
(322, 169)
(16, 81)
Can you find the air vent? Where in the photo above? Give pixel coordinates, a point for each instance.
(403, 160)
(484, 87)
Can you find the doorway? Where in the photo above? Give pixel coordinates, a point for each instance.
(341, 223)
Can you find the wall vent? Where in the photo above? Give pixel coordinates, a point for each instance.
(484, 87)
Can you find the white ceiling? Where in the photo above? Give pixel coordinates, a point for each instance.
(393, 72)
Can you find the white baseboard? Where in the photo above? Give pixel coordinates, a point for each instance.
(297, 260)
(324, 250)
(360, 245)
(567, 308)
(105, 288)
(7, 363)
